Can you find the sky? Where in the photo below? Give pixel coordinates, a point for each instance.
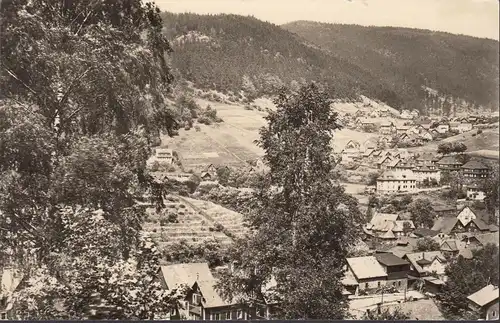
(479, 18)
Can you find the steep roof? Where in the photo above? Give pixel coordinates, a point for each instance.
(210, 296)
(488, 238)
(481, 225)
(394, 162)
(452, 245)
(444, 224)
(474, 164)
(388, 259)
(382, 159)
(399, 225)
(485, 295)
(413, 258)
(185, 274)
(368, 152)
(449, 160)
(366, 267)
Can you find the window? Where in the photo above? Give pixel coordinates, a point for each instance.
(217, 316)
(239, 315)
(378, 284)
(399, 283)
(366, 285)
(223, 315)
(195, 299)
(493, 314)
(172, 312)
(3, 316)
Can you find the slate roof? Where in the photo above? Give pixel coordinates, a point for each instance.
(449, 160)
(485, 295)
(388, 259)
(210, 296)
(474, 164)
(185, 274)
(444, 224)
(366, 267)
(487, 238)
(413, 258)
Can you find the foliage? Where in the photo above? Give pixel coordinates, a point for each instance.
(421, 212)
(182, 252)
(386, 315)
(427, 244)
(87, 272)
(83, 98)
(490, 188)
(467, 276)
(372, 178)
(209, 116)
(303, 224)
(443, 62)
(446, 148)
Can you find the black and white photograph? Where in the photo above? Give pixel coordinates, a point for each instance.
(249, 160)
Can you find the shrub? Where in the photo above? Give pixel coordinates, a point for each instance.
(163, 222)
(197, 128)
(218, 227)
(479, 131)
(172, 218)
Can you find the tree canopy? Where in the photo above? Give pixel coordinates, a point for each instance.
(83, 91)
(303, 223)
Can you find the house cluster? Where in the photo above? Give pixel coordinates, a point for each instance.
(397, 265)
(407, 175)
(203, 301)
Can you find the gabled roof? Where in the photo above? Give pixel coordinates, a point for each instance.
(445, 224)
(368, 152)
(449, 160)
(488, 238)
(388, 259)
(474, 164)
(452, 245)
(394, 162)
(480, 224)
(485, 295)
(211, 298)
(413, 258)
(185, 274)
(399, 225)
(382, 159)
(388, 235)
(379, 218)
(366, 267)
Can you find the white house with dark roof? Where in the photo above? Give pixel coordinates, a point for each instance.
(390, 183)
(485, 301)
(425, 263)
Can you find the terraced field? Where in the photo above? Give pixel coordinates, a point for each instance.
(191, 226)
(194, 224)
(232, 221)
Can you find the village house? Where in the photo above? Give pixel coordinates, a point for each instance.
(177, 275)
(443, 128)
(454, 125)
(386, 128)
(396, 269)
(383, 112)
(164, 155)
(427, 172)
(454, 247)
(392, 183)
(414, 113)
(403, 169)
(449, 163)
(384, 161)
(364, 274)
(364, 122)
(203, 302)
(402, 130)
(485, 301)
(475, 169)
(426, 136)
(464, 127)
(425, 264)
(387, 226)
(476, 241)
(475, 193)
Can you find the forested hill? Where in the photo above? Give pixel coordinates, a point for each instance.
(231, 53)
(456, 65)
(217, 51)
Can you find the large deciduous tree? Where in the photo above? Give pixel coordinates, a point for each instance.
(303, 223)
(83, 91)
